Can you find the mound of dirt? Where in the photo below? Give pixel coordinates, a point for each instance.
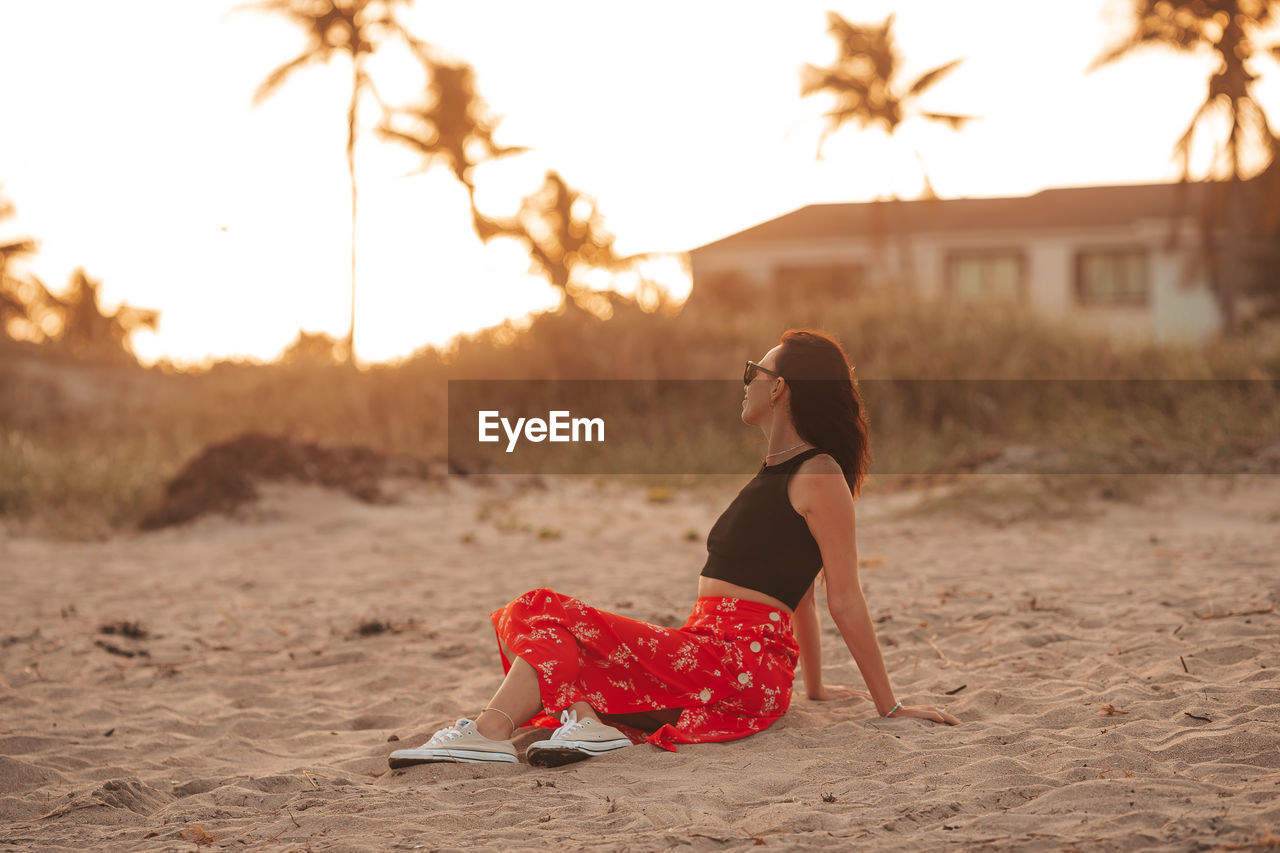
(223, 476)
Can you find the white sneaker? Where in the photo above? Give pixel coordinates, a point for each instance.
(574, 741)
(459, 743)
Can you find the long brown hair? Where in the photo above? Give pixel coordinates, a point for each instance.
(826, 407)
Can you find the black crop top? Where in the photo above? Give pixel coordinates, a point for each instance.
(761, 542)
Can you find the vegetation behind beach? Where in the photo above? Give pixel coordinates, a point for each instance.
(87, 447)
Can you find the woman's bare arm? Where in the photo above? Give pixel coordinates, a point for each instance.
(808, 628)
(809, 636)
(820, 493)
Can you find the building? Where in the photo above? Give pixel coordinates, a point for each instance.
(1101, 257)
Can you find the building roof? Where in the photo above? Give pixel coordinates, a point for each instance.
(1065, 207)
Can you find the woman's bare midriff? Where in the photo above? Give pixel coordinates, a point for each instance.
(715, 586)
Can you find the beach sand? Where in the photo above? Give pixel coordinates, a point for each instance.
(1117, 675)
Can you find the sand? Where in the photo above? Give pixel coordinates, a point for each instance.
(1118, 676)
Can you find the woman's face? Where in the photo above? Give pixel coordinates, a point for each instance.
(755, 397)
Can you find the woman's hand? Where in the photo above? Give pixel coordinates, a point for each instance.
(839, 691)
(926, 712)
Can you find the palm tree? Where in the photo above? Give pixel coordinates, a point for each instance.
(1225, 29)
(451, 125)
(12, 248)
(74, 322)
(22, 298)
(355, 28)
(863, 80)
(564, 233)
(88, 331)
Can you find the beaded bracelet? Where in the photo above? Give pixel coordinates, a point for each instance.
(894, 708)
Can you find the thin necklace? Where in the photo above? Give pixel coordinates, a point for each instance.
(780, 452)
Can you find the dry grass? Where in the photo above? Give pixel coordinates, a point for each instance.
(86, 449)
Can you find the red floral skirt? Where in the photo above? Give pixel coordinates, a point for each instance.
(731, 665)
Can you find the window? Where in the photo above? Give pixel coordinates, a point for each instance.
(1112, 277)
(829, 281)
(985, 275)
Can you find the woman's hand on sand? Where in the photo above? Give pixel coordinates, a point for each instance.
(839, 691)
(926, 712)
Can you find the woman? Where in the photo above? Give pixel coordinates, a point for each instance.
(728, 671)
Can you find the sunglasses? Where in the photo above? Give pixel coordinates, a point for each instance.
(749, 373)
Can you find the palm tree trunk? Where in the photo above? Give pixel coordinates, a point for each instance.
(351, 170)
(1234, 226)
(1238, 228)
(1217, 247)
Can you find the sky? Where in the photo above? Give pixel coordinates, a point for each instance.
(131, 146)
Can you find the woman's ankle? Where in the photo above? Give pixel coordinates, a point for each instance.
(585, 711)
(494, 726)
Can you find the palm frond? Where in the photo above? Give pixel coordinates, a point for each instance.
(1260, 117)
(883, 54)
(862, 79)
(955, 122)
(11, 308)
(838, 81)
(1253, 124)
(455, 123)
(1113, 54)
(1183, 25)
(815, 79)
(487, 228)
(24, 246)
(425, 144)
(365, 81)
(131, 318)
(927, 79)
(1182, 148)
(277, 77)
(42, 290)
(842, 115)
(280, 6)
(827, 130)
(927, 192)
(562, 230)
(507, 150)
(864, 42)
(851, 39)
